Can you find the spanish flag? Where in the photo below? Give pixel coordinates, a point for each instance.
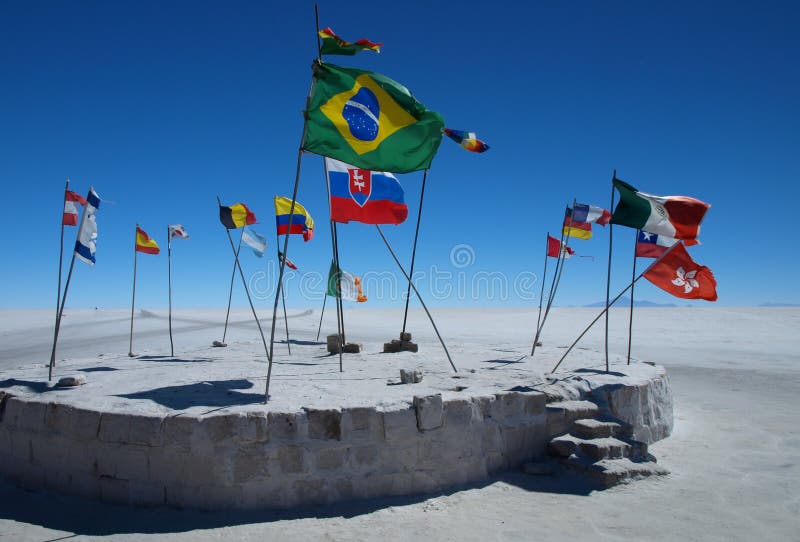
(302, 222)
(236, 216)
(144, 243)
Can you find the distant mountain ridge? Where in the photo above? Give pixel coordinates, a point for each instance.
(779, 305)
(625, 301)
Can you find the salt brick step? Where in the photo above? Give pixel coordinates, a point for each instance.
(574, 410)
(591, 428)
(610, 472)
(594, 449)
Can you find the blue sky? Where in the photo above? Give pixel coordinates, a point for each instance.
(162, 106)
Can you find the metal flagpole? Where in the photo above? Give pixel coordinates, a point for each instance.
(418, 296)
(230, 290)
(64, 297)
(133, 297)
(556, 278)
(324, 299)
(605, 310)
(169, 289)
(633, 274)
(608, 275)
(244, 283)
(283, 297)
(338, 276)
(541, 293)
(61, 250)
(414, 252)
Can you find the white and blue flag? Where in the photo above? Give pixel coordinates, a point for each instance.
(255, 241)
(85, 245)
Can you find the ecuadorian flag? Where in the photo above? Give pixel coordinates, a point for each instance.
(302, 223)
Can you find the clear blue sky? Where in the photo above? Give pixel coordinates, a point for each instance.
(162, 105)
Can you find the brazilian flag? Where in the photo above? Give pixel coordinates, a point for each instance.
(369, 121)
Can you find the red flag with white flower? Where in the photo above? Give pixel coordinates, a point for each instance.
(677, 274)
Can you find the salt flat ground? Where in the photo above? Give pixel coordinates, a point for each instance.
(734, 454)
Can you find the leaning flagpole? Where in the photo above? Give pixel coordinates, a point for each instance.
(556, 276)
(335, 257)
(133, 297)
(414, 253)
(605, 310)
(324, 299)
(169, 288)
(66, 289)
(418, 296)
(608, 274)
(541, 293)
(283, 296)
(633, 274)
(61, 251)
(230, 290)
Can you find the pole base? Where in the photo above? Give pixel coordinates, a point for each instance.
(131, 355)
(334, 345)
(219, 344)
(403, 345)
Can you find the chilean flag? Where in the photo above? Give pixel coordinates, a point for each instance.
(371, 197)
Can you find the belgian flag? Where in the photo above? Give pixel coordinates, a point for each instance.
(236, 216)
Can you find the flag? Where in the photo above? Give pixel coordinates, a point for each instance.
(679, 275)
(236, 216)
(575, 229)
(71, 202)
(176, 230)
(351, 285)
(255, 241)
(334, 45)
(466, 140)
(86, 243)
(301, 220)
(366, 119)
(289, 263)
(589, 213)
(674, 216)
(371, 197)
(651, 245)
(553, 246)
(144, 243)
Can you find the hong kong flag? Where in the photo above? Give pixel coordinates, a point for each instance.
(676, 273)
(371, 197)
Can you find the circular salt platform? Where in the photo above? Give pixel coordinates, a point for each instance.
(193, 431)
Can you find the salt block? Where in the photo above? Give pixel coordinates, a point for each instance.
(352, 348)
(71, 381)
(409, 376)
(219, 344)
(334, 343)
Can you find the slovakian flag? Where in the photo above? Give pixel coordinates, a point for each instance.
(144, 243)
(678, 217)
(176, 230)
(468, 140)
(86, 243)
(236, 216)
(302, 223)
(575, 229)
(677, 274)
(590, 213)
(289, 263)
(555, 247)
(71, 202)
(334, 45)
(371, 197)
(256, 241)
(652, 245)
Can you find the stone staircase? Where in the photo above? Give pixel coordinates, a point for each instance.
(597, 445)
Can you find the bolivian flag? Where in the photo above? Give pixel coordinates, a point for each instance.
(236, 216)
(334, 45)
(144, 243)
(370, 121)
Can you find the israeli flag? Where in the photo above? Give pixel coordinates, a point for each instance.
(85, 245)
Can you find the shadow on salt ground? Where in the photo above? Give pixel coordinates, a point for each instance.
(599, 372)
(176, 360)
(503, 362)
(38, 387)
(213, 393)
(85, 517)
(301, 343)
(97, 369)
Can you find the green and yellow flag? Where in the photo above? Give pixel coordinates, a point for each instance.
(370, 121)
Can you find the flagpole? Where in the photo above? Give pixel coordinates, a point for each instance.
(64, 297)
(283, 296)
(244, 283)
(541, 293)
(605, 310)
(414, 252)
(133, 296)
(608, 274)
(61, 250)
(324, 299)
(338, 276)
(230, 290)
(633, 274)
(556, 277)
(418, 296)
(169, 289)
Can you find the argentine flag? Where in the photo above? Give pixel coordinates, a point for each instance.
(85, 245)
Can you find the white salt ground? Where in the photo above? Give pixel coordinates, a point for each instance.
(733, 455)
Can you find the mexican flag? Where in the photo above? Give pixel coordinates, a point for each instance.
(673, 216)
(350, 285)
